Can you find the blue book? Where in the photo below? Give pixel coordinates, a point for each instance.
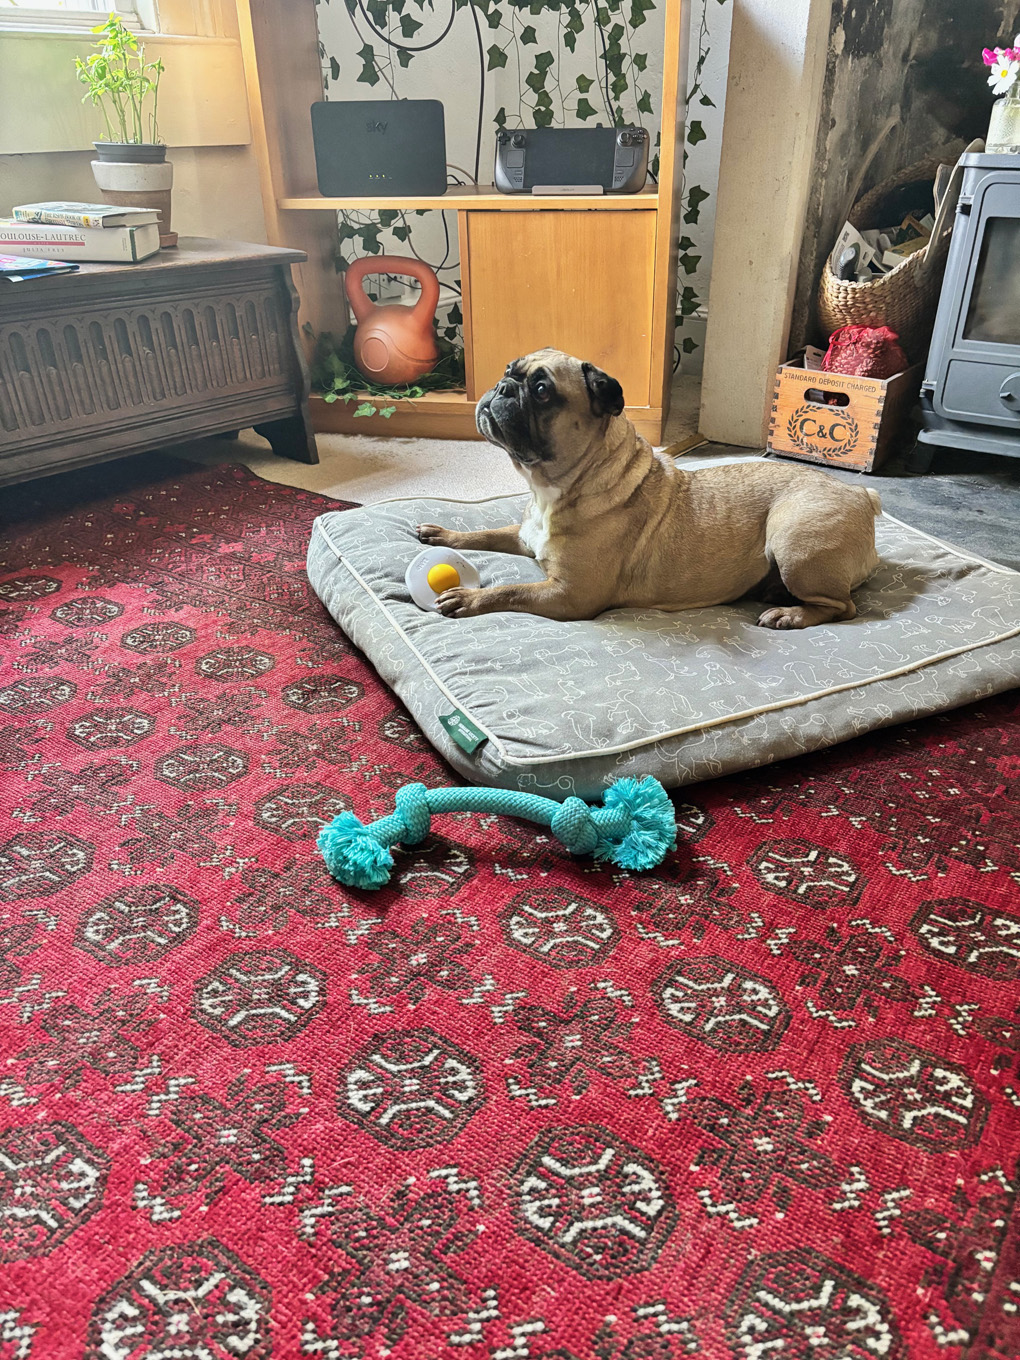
(19, 268)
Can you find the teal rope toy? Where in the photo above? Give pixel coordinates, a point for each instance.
(635, 828)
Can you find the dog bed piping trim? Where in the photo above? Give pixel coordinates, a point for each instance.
(703, 726)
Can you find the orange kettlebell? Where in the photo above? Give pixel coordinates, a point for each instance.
(393, 343)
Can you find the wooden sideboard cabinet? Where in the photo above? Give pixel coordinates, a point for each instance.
(116, 359)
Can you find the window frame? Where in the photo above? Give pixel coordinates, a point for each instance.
(138, 15)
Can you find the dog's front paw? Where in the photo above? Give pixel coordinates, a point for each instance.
(460, 603)
(434, 534)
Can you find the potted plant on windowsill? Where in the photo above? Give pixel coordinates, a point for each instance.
(132, 169)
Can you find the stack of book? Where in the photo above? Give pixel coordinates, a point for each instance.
(94, 232)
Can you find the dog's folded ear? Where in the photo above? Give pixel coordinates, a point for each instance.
(604, 393)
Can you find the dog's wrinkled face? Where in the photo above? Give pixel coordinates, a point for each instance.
(548, 405)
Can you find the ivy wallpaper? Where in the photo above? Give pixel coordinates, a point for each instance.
(514, 63)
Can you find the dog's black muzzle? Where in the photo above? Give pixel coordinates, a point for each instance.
(502, 418)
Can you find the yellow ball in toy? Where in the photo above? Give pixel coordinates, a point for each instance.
(443, 577)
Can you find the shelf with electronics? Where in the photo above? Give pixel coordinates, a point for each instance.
(592, 274)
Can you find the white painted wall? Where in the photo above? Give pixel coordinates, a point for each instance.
(777, 64)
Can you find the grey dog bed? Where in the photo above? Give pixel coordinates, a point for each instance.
(564, 708)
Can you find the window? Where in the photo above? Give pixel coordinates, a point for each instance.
(73, 14)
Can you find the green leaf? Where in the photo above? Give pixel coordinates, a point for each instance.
(387, 216)
(404, 57)
(619, 86)
(695, 132)
(497, 57)
(402, 233)
(644, 104)
(685, 243)
(329, 397)
(528, 36)
(689, 262)
(584, 109)
(500, 118)
(708, 103)
(365, 408)
(569, 40)
(408, 26)
(334, 68)
(689, 344)
(695, 197)
(543, 61)
(584, 83)
(495, 18)
(386, 411)
(543, 117)
(369, 74)
(640, 61)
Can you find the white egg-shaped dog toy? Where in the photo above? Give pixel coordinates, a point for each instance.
(435, 570)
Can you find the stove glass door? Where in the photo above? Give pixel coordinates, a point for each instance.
(993, 317)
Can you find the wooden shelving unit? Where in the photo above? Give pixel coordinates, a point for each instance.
(594, 275)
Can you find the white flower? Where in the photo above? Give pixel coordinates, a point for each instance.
(1003, 74)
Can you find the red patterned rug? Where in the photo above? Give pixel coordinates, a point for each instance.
(763, 1103)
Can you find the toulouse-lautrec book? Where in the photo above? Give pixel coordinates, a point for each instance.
(124, 245)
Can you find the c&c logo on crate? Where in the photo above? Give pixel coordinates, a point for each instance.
(826, 431)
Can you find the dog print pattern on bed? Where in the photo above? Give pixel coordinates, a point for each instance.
(563, 708)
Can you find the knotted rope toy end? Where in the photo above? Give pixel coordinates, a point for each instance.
(652, 831)
(634, 829)
(352, 853)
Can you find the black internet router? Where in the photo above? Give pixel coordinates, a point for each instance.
(379, 147)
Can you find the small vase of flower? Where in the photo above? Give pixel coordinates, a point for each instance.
(1004, 78)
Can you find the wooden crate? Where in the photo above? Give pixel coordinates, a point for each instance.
(859, 433)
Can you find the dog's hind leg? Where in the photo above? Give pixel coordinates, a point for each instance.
(822, 552)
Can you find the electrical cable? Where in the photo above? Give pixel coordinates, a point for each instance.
(436, 268)
(404, 47)
(605, 65)
(481, 87)
(450, 166)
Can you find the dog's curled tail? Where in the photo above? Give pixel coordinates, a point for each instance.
(876, 500)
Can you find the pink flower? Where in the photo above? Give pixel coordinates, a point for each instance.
(990, 57)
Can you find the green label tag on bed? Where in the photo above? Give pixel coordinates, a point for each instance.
(467, 736)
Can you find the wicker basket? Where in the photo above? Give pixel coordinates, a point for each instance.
(906, 298)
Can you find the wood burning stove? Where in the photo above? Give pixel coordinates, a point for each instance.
(970, 397)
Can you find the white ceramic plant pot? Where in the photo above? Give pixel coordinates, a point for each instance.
(138, 184)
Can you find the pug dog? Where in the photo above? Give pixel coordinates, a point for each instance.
(613, 524)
